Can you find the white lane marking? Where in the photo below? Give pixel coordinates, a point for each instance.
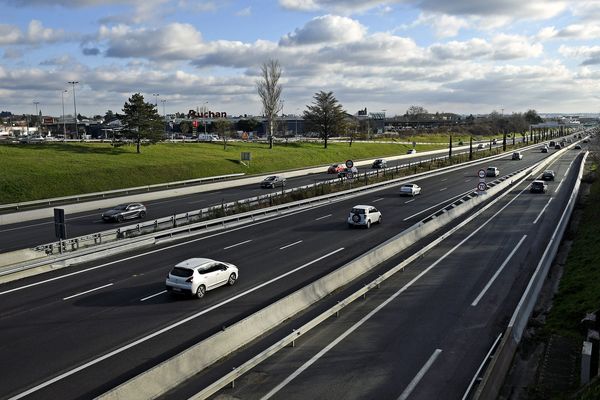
(445, 179)
(487, 356)
(87, 291)
(468, 180)
(196, 201)
(558, 187)
(413, 384)
(237, 244)
(153, 295)
(331, 345)
(148, 253)
(442, 189)
(409, 201)
(376, 200)
(290, 245)
(504, 264)
(324, 216)
(438, 204)
(26, 226)
(542, 212)
(163, 330)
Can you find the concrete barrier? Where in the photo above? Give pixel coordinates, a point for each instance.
(177, 369)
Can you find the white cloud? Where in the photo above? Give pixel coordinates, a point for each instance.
(36, 34)
(326, 29)
(589, 54)
(443, 25)
(244, 12)
(515, 46)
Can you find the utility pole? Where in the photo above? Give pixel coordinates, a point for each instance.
(62, 95)
(37, 116)
(163, 101)
(75, 108)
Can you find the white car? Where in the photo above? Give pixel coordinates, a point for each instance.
(363, 215)
(410, 189)
(492, 171)
(411, 151)
(196, 276)
(517, 155)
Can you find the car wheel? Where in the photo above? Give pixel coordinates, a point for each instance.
(201, 291)
(380, 218)
(120, 218)
(231, 280)
(368, 224)
(142, 214)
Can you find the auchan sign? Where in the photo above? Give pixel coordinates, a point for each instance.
(206, 114)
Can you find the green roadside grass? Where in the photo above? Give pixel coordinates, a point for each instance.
(579, 289)
(31, 172)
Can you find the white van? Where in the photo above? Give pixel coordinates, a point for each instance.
(208, 137)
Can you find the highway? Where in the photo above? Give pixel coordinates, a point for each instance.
(106, 321)
(32, 233)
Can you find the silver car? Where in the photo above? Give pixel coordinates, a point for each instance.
(196, 276)
(125, 211)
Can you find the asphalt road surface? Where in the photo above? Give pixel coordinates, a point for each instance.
(77, 332)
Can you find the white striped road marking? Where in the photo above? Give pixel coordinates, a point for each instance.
(324, 216)
(153, 295)
(442, 189)
(542, 212)
(87, 291)
(290, 245)
(445, 179)
(409, 201)
(413, 384)
(468, 180)
(237, 244)
(489, 284)
(163, 330)
(376, 200)
(196, 201)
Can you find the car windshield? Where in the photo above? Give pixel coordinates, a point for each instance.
(120, 207)
(358, 211)
(270, 178)
(536, 184)
(182, 272)
(408, 186)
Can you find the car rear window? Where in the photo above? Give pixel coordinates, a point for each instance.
(182, 272)
(537, 184)
(357, 211)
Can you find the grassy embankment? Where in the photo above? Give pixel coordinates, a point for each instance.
(30, 172)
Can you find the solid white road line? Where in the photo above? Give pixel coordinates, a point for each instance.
(324, 216)
(165, 329)
(376, 200)
(237, 244)
(153, 295)
(542, 212)
(409, 201)
(413, 384)
(196, 201)
(438, 204)
(442, 189)
(331, 345)
(489, 284)
(445, 179)
(487, 356)
(290, 245)
(146, 253)
(87, 291)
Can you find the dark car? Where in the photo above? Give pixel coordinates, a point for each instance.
(557, 146)
(544, 149)
(548, 175)
(273, 181)
(378, 164)
(124, 211)
(538, 187)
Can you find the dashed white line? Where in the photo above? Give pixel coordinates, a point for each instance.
(153, 295)
(413, 384)
(409, 201)
(87, 291)
(542, 212)
(163, 330)
(376, 200)
(489, 284)
(442, 189)
(468, 180)
(237, 244)
(445, 179)
(324, 216)
(290, 245)
(196, 201)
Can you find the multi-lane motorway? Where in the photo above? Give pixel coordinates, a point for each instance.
(78, 332)
(32, 233)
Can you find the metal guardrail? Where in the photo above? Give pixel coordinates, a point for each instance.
(114, 193)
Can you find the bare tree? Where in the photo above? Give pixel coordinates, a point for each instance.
(223, 127)
(269, 91)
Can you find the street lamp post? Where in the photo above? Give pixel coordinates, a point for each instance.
(75, 108)
(37, 116)
(155, 99)
(204, 111)
(62, 95)
(297, 110)
(383, 129)
(163, 101)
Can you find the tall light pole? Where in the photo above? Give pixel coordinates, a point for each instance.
(75, 108)
(383, 129)
(204, 117)
(37, 116)
(163, 101)
(62, 95)
(155, 99)
(297, 116)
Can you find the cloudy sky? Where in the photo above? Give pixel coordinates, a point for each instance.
(463, 56)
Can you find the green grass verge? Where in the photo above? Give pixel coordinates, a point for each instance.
(579, 289)
(31, 172)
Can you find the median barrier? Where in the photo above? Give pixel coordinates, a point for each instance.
(493, 379)
(165, 376)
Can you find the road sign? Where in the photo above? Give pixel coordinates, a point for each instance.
(349, 163)
(60, 229)
(482, 186)
(195, 123)
(481, 173)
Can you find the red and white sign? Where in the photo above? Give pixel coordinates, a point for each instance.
(481, 173)
(195, 123)
(482, 186)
